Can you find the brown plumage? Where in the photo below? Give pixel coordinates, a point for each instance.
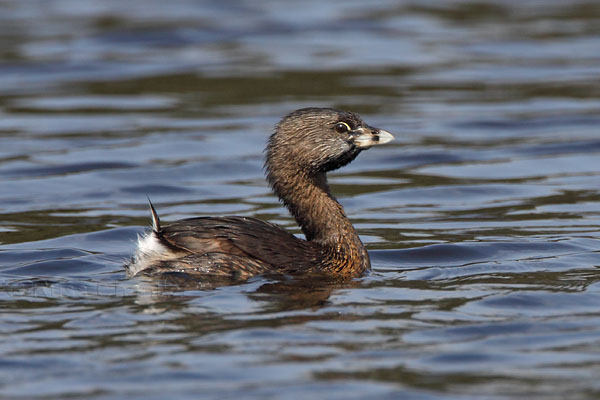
(306, 145)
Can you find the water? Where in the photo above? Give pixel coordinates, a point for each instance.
(482, 218)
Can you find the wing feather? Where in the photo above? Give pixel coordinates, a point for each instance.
(243, 238)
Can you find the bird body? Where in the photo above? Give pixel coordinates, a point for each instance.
(306, 144)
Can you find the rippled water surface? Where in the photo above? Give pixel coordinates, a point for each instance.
(482, 218)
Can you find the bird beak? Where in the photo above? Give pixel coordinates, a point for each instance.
(365, 137)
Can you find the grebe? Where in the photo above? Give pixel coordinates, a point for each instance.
(306, 144)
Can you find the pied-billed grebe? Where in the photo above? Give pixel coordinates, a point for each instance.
(306, 145)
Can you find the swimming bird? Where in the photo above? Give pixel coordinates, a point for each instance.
(305, 145)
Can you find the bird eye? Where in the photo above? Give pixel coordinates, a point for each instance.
(342, 127)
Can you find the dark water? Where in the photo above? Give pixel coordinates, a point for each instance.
(482, 218)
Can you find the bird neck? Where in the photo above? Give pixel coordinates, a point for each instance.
(322, 219)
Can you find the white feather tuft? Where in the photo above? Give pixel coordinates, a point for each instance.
(149, 251)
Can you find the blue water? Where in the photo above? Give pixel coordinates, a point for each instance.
(482, 218)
